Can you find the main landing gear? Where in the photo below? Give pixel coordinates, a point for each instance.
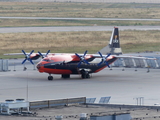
(84, 74)
(50, 77)
(65, 76)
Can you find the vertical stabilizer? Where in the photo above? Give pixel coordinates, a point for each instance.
(114, 44)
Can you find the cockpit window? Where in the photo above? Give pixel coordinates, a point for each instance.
(47, 60)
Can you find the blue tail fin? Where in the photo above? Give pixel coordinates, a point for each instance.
(114, 44)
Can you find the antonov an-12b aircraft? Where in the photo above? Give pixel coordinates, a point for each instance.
(66, 64)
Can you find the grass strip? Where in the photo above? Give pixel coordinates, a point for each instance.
(71, 42)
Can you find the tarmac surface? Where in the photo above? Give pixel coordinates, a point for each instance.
(123, 86)
(73, 28)
(100, 1)
(61, 18)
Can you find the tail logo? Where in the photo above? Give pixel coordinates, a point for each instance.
(115, 40)
(115, 37)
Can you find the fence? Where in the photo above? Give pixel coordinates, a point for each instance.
(61, 102)
(3, 65)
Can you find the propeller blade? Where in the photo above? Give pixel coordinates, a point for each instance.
(45, 54)
(31, 61)
(27, 57)
(108, 55)
(85, 53)
(86, 61)
(100, 54)
(82, 58)
(100, 63)
(24, 52)
(79, 64)
(104, 59)
(77, 55)
(24, 61)
(40, 54)
(107, 64)
(31, 52)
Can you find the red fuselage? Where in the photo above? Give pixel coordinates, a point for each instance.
(67, 64)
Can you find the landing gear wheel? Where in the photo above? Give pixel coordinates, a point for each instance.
(50, 77)
(84, 74)
(88, 75)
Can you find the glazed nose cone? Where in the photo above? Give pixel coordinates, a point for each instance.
(40, 67)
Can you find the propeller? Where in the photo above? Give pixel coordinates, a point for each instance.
(45, 54)
(82, 58)
(104, 59)
(27, 57)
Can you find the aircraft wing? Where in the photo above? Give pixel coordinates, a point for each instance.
(93, 55)
(134, 57)
(14, 54)
(123, 56)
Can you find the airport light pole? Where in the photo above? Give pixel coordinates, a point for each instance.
(27, 87)
(14, 66)
(140, 100)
